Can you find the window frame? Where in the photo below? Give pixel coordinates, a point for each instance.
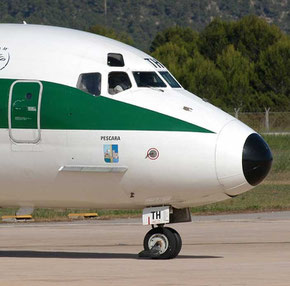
(167, 72)
(118, 71)
(116, 66)
(149, 86)
(86, 91)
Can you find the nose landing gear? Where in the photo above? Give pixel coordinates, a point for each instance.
(161, 243)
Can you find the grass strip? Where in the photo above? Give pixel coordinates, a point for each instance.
(266, 197)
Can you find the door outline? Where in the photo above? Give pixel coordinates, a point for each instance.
(37, 139)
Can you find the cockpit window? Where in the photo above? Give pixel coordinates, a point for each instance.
(170, 80)
(118, 82)
(115, 60)
(148, 79)
(90, 83)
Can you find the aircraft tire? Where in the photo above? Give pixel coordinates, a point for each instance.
(178, 241)
(161, 243)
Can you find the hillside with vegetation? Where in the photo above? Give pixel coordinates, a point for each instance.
(231, 60)
(142, 20)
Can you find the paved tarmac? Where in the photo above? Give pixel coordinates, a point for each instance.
(250, 249)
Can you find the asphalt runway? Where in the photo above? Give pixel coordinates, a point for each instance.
(250, 249)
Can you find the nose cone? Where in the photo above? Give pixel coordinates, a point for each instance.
(243, 159)
(257, 159)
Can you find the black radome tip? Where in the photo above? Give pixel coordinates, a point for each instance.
(257, 159)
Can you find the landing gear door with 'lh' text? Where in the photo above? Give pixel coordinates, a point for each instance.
(24, 111)
(156, 215)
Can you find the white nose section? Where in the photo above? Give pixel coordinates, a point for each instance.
(229, 150)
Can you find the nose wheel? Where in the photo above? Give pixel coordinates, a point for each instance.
(161, 243)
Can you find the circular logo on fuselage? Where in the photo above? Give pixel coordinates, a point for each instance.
(4, 57)
(152, 154)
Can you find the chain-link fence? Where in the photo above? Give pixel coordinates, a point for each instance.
(265, 121)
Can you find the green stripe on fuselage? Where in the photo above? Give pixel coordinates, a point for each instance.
(64, 107)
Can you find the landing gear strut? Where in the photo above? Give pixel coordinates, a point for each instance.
(161, 243)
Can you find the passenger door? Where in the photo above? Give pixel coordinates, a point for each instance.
(24, 111)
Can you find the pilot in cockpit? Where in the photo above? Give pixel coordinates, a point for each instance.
(90, 83)
(118, 82)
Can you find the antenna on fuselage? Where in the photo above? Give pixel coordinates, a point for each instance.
(105, 10)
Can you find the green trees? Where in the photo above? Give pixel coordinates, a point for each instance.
(111, 33)
(238, 72)
(243, 64)
(273, 70)
(205, 80)
(214, 38)
(252, 35)
(183, 36)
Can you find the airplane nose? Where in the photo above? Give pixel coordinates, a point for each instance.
(256, 159)
(243, 159)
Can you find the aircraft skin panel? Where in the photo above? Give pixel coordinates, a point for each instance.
(152, 181)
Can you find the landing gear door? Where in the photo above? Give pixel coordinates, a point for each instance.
(24, 111)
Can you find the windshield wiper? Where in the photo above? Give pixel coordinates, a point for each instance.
(153, 87)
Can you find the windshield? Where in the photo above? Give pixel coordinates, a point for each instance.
(170, 80)
(118, 82)
(90, 83)
(148, 79)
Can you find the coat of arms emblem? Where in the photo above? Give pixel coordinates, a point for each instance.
(111, 153)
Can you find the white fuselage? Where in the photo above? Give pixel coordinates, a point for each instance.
(66, 166)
